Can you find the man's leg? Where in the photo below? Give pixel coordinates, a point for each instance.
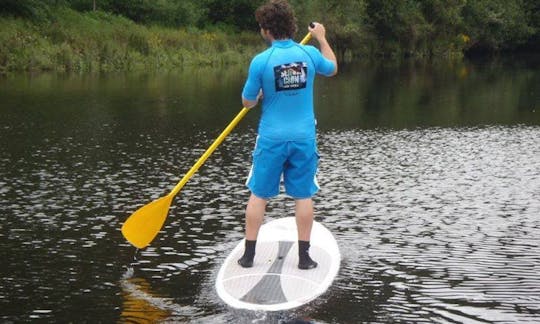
(304, 218)
(255, 210)
(304, 223)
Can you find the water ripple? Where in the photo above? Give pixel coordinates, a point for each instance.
(434, 225)
(441, 220)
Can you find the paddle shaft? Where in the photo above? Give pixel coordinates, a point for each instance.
(217, 142)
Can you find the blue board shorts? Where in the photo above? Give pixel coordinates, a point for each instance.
(295, 161)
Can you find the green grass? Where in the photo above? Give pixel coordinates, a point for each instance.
(102, 42)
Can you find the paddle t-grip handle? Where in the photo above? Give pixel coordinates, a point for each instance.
(312, 24)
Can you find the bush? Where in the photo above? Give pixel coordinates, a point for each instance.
(30, 9)
(496, 24)
(97, 41)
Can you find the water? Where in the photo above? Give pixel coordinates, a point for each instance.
(430, 177)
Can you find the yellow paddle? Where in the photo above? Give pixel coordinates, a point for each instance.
(144, 224)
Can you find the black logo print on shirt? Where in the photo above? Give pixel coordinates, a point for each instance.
(292, 76)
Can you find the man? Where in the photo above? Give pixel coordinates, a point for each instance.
(282, 78)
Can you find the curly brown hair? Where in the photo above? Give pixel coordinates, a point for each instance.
(278, 17)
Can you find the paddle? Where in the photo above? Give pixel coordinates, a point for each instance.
(144, 224)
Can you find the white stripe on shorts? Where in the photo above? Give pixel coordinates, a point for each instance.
(251, 169)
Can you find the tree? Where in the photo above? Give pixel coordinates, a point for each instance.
(399, 26)
(496, 24)
(344, 21)
(32, 9)
(446, 25)
(235, 13)
(532, 7)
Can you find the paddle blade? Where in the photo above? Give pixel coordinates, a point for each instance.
(144, 224)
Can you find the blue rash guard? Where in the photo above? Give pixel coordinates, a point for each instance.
(285, 72)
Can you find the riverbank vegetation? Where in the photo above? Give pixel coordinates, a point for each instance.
(100, 41)
(125, 35)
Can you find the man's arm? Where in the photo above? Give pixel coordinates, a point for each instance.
(252, 103)
(249, 103)
(319, 33)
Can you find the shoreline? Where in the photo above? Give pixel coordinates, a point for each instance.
(100, 42)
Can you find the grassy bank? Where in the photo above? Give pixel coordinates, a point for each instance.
(102, 42)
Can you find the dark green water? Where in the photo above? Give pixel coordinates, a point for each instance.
(430, 177)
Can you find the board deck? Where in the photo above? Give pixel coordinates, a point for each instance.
(275, 282)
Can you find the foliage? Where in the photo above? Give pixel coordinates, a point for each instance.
(497, 24)
(32, 9)
(443, 27)
(236, 13)
(99, 41)
(107, 34)
(345, 30)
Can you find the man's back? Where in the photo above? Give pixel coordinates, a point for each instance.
(285, 72)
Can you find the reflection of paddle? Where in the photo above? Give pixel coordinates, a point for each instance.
(142, 305)
(144, 224)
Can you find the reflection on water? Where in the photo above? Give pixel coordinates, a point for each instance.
(139, 303)
(430, 182)
(143, 305)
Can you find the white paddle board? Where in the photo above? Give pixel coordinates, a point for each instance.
(275, 282)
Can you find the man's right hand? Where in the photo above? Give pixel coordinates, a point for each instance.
(317, 31)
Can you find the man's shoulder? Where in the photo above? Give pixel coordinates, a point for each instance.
(263, 55)
(259, 61)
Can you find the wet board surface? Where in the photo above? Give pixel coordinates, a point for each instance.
(275, 282)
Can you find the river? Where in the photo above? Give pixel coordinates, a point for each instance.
(429, 175)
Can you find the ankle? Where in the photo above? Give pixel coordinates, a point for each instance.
(249, 248)
(246, 260)
(304, 260)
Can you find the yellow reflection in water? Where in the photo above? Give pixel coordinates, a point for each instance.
(140, 304)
